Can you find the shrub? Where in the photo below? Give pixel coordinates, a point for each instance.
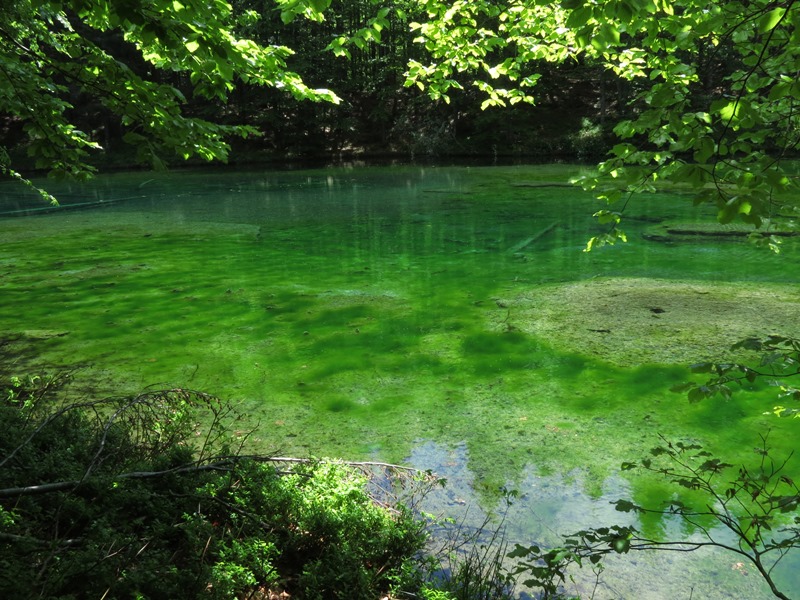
(96, 501)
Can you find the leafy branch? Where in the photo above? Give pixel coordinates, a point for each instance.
(780, 360)
(757, 504)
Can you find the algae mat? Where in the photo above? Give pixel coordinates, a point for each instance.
(670, 321)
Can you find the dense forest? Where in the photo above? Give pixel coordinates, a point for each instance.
(378, 115)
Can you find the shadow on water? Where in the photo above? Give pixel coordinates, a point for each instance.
(442, 315)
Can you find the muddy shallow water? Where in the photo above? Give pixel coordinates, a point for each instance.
(442, 317)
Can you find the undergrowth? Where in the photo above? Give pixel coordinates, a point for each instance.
(152, 497)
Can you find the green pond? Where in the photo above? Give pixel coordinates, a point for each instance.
(441, 317)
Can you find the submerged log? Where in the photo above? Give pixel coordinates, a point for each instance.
(528, 241)
(544, 184)
(728, 232)
(51, 208)
(676, 231)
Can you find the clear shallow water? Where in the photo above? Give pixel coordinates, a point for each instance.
(377, 313)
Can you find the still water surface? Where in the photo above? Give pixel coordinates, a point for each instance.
(442, 317)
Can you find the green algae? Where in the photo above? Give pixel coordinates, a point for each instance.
(362, 314)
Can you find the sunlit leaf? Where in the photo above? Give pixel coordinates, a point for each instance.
(771, 19)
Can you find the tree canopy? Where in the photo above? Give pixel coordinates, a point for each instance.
(133, 59)
(714, 87)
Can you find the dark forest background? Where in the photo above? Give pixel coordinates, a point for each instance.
(379, 117)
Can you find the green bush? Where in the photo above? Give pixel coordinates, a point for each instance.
(117, 499)
(334, 541)
(126, 510)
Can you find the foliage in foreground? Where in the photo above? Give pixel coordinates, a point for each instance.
(750, 511)
(118, 498)
(56, 54)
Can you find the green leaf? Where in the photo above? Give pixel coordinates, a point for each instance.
(621, 545)
(523, 551)
(624, 12)
(320, 5)
(727, 109)
(771, 19)
(699, 393)
(682, 387)
(748, 344)
(607, 216)
(626, 506)
(579, 17)
(704, 149)
(607, 37)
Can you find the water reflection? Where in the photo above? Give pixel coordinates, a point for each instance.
(549, 503)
